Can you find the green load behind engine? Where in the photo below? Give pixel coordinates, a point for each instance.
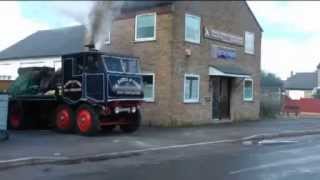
(33, 81)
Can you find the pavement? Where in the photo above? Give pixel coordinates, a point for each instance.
(46, 144)
(285, 159)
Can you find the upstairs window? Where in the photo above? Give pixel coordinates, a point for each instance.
(248, 90)
(192, 28)
(249, 42)
(145, 28)
(191, 88)
(108, 39)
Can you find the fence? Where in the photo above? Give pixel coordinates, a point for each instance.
(303, 105)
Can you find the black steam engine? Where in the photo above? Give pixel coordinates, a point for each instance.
(92, 91)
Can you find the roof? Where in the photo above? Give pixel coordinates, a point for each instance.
(301, 81)
(54, 42)
(254, 17)
(231, 70)
(94, 52)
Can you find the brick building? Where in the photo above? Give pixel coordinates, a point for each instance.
(201, 60)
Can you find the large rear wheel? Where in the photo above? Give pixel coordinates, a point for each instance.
(87, 120)
(134, 123)
(64, 119)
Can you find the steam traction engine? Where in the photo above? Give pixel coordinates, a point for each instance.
(92, 91)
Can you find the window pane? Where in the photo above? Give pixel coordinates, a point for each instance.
(249, 42)
(194, 89)
(108, 38)
(148, 86)
(191, 88)
(130, 65)
(187, 94)
(248, 94)
(192, 28)
(113, 64)
(93, 64)
(145, 26)
(78, 66)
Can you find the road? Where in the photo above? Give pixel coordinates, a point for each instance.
(295, 160)
(48, 143)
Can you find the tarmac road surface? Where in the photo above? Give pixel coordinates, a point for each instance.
(282, 159)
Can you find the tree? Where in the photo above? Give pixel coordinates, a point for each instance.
(270, 80)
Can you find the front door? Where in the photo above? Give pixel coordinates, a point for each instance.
(221, 90)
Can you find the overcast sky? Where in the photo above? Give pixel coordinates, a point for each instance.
(290, 40)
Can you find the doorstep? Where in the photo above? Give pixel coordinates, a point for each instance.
(220, 121)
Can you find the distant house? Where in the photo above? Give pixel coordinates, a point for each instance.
(43, 48)
(302, 85)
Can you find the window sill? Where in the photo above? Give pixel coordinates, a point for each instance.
(248, 100)
(192, 42)
(144, 40)
(251, 54)
(149, 100)
(192, 102)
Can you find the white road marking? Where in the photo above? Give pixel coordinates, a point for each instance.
(125, 152)
(277, 164)
(171, 147)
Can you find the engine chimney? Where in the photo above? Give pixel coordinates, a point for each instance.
(90, 47)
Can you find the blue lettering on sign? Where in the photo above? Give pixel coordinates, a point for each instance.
(224, 53)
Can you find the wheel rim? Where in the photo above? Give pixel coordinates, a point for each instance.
(84, 120)
(63, 119)
(15, 121)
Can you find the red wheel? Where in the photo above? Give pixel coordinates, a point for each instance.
(87, 120)
(64, 119)
(84, 120)
(15, 120)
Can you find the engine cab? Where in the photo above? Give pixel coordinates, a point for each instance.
(101, 78)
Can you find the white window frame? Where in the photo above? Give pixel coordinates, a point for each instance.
(184, 88)
(246, 50)
(152, 99)
(243, 89)
(109, 38)
(154, 30)
(185, 28)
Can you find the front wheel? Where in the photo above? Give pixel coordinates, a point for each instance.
(134, 122)
(87, 120)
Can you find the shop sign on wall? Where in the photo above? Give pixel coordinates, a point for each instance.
(222, 36)
(226, 53)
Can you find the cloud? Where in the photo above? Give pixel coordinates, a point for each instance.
(14, 26)
(286, 52)
(299, 16)
(281, 56)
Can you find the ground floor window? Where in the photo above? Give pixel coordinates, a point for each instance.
(191, 88)
(148, 86)
(248, 90)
